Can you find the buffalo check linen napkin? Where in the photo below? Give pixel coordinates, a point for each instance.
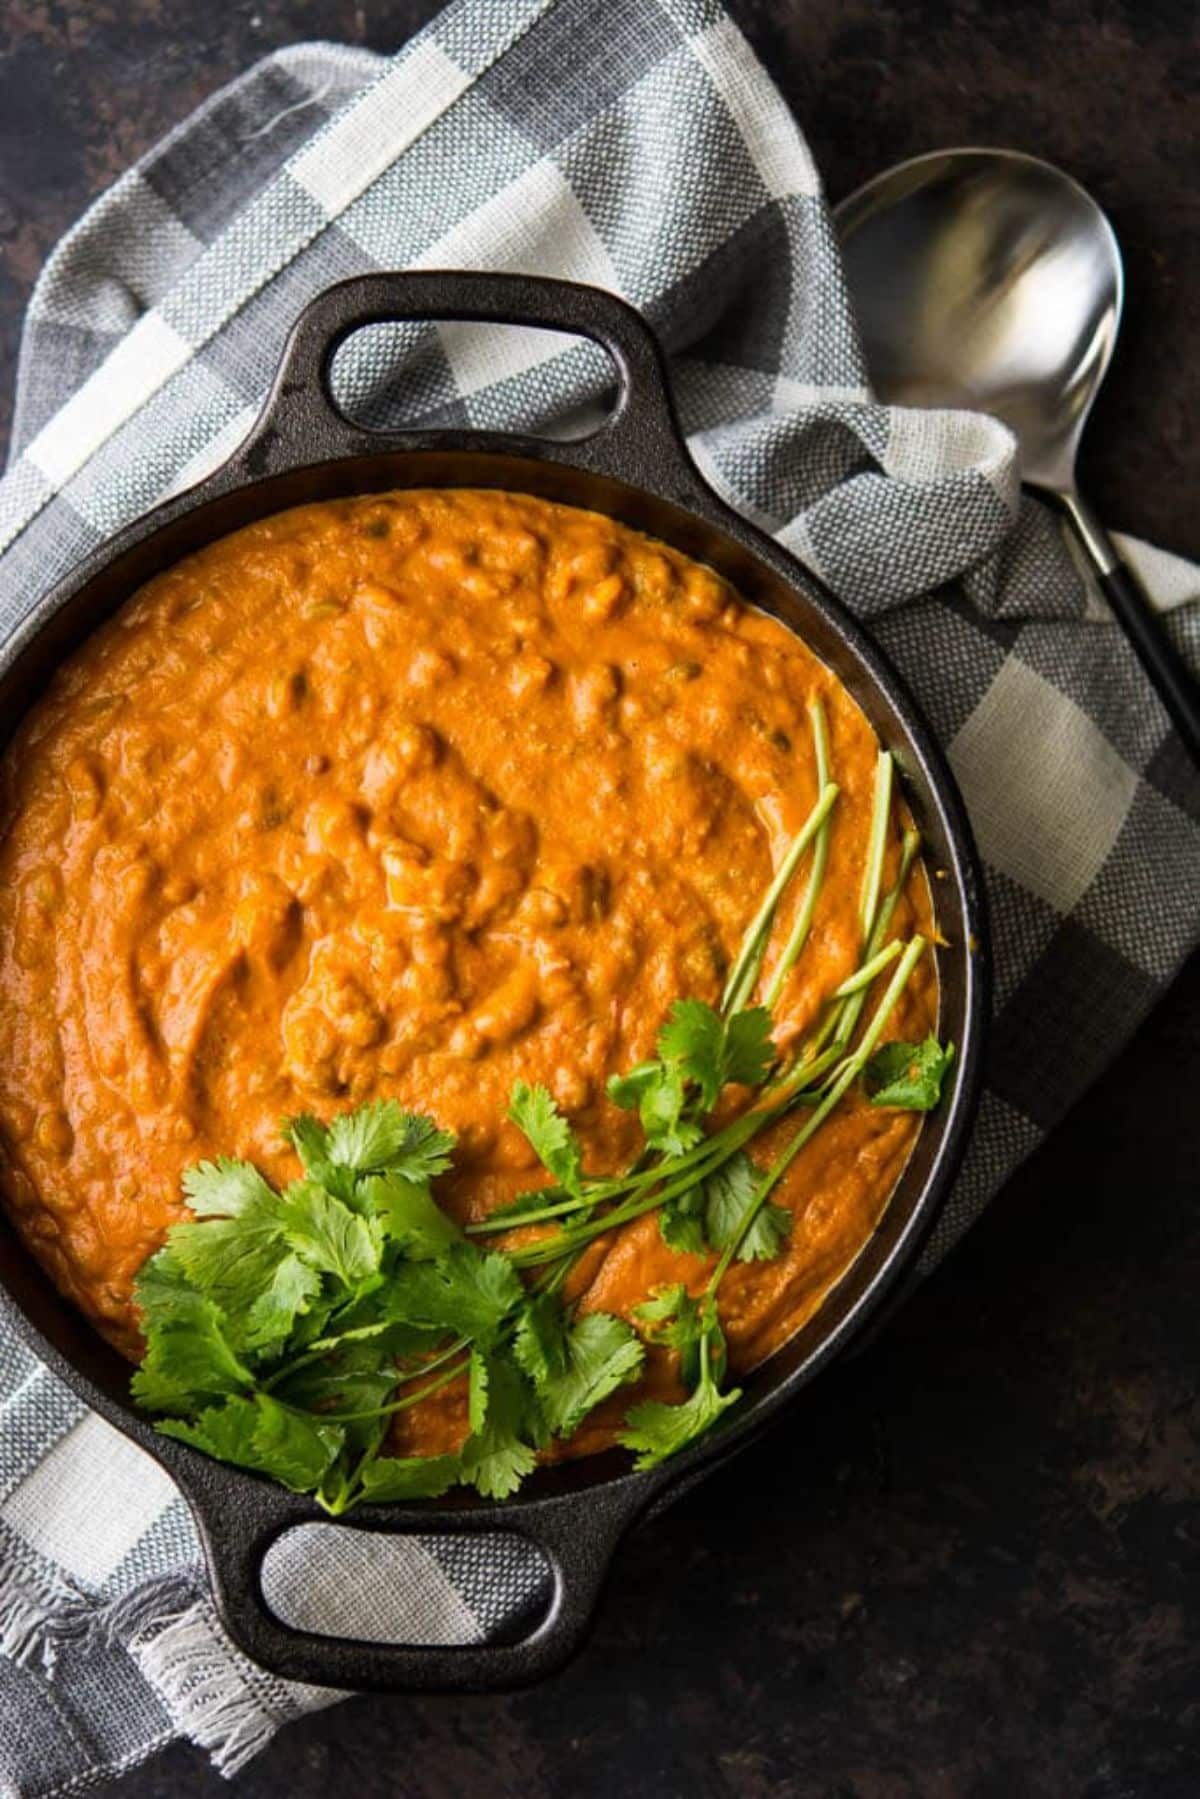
(636, 144)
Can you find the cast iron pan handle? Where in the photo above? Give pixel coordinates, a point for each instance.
(640, 442)
(576, 1534)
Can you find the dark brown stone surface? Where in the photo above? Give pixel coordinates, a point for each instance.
(969, 1563)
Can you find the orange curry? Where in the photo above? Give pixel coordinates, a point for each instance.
(415, 794)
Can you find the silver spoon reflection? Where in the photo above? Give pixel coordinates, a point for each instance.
(990, 280)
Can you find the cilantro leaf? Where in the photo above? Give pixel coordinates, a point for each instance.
(748, 1049)
(626, 1090)
(655, 1431)
(225, 1431)
(664, 1305)
(260, 1434)
(725, 1196)
(382, 1138)
(310, 1139)
(767, 1234)
(535, 1114)
(662, 1112)
(677, 1321)
(376, 1315)
(425, 1152)
(329, 1236)
(693, 1040)
(353, 1377)
(231, 1249)
(655, 1090)
(573, 1368)
(711, 1051)
(699, 1052)
(465, 1292)
(496, 1459)
(226, 1189)
(681, 1222)
(907, 1077)
(603, 1353)
(728, 1193)
(233, 1260)
(272, 1316)
(389, 1478)
(539, 1342)
(409, 1215)
(311, 1325)
(188, 1357)
(379, 1138)
(295, 1448)
(709, 1215)
(160, 1287)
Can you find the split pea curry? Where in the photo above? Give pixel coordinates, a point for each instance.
(464, 990)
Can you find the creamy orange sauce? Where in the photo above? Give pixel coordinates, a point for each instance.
(414, 795)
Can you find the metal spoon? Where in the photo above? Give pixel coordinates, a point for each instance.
(988, 279)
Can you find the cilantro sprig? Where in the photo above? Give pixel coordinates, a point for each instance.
(699, 1054)
(286, 1328)
(907, 1077)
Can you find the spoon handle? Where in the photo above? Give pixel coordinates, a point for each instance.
(1154, 650)
(1157, 655)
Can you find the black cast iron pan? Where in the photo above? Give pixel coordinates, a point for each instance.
(636, 469)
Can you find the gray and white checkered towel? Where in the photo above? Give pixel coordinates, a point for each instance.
(636, 144)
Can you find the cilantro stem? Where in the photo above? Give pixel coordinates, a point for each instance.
(802, 1074)
(863, 976)
(349, 1486)
(848, 1073)
(560, 1208)
(637, 1181)
(675, 1180)
(881, 806)
(397, 1405)
(554, 1278)
(330, 1345)
(301, 1361)
(852, 1007)
(437, 1361)
(345, 1495)
(841, 1016)
(749, 959)
(705, 1368)
(798, 936)
(667, 1180)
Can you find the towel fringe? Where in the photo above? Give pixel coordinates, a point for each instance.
(215, 1699)
(200, 1679)
(137, 1616)
(39, 1619)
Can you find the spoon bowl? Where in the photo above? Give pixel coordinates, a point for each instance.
(1003, 294)
(989, 280)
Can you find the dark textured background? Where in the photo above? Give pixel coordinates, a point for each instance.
(969, 1562)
